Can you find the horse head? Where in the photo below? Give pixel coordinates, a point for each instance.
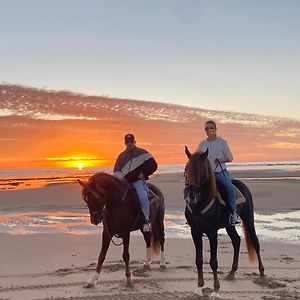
(95, 197)
(197, 167)
(199, 178)
(102, 193)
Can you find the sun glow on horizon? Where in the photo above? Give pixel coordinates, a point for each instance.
(78, 162)
(80, 166)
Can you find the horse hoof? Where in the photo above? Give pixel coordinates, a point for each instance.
(263, 280)
(146, 267)
(198, 292)
(129, 285)
(162, 267)
(230, 276)
(88, 285)
(215, 296)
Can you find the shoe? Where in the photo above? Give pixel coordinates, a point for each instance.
(146, 227)
(234, 219)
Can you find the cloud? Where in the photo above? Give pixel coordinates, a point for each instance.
(5, 112)
(285, 145)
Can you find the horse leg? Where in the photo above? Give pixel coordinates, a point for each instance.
(236, 242)
(161, 230)
(147, 238)
(213, 242)
(126, 258)
(105, 244)
(197, 238)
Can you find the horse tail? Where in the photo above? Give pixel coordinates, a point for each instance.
(252, 256)
(155, 244)
(157, 223)
(247, 216)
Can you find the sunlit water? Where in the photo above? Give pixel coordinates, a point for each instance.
(279, 226)
(36, 178)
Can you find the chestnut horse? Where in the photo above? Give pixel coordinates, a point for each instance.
(110, 201)
(206, 215)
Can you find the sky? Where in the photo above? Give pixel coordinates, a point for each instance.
(240, 56)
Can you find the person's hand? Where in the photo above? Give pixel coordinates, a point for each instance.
(217, 161)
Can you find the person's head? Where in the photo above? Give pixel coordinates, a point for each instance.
(210, 128)
(129, 141)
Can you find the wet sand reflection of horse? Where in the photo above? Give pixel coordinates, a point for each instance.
(206, 215)
(109, 200)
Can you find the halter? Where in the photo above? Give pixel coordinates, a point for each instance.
(197, 190)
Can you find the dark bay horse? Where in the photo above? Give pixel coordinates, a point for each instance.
(206, 215)
(109, 200)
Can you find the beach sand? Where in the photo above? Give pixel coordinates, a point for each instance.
(55, 265)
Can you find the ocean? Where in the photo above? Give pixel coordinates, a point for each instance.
(34, 178)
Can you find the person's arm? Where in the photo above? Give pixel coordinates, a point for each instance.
(149, 167)
(227, 155)
(117, 168)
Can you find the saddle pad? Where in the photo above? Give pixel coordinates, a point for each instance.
(239, 197)
(153, 197)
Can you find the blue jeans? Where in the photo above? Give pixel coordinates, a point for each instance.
(225, 179)
(143, 191)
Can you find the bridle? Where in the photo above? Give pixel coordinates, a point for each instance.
(197, 190)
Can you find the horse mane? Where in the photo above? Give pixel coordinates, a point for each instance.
(198, 170)
(112, 185)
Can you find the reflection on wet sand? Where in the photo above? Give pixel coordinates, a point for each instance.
(282, 226)
(38, 182)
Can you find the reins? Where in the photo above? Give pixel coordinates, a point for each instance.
(222, 169)
(105, 227)
(105, 224)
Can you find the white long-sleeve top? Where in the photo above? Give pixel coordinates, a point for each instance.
(217, 148)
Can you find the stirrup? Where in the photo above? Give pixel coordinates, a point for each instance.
(146, 227)
(234, 219)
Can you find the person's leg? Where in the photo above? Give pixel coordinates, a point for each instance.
(224, 178)
(142, 191)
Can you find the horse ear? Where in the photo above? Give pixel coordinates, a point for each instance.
(81, 182)
(204, 155)
(187, 152)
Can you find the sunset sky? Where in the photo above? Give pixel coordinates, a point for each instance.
(240, 56)
(42, 129)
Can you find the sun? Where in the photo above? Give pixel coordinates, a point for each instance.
(80, 166)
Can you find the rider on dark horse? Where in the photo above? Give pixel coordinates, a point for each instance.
(136, 165)
(219, 154)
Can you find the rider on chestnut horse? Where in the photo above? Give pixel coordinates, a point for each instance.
(135, 165)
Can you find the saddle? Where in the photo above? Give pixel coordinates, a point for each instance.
(222, 199)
